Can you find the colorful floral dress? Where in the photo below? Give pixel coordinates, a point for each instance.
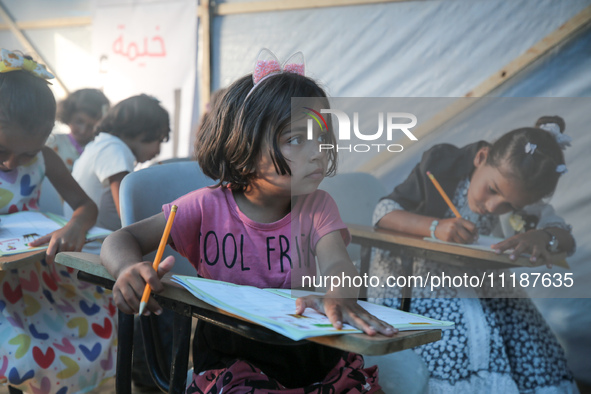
(66, 147)
(57, 334)
(498, 345)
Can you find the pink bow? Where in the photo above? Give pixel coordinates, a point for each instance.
(267, 64)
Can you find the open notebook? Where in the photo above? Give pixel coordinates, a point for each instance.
(275, 309)
(18, 229)
(484, 242)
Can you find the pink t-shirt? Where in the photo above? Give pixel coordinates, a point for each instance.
(223, 244)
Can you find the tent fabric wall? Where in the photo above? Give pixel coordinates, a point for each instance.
(440, 48)
(444, 49)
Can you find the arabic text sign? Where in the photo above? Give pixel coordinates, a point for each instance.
(148, 47)
(145, 45)
(132, 50)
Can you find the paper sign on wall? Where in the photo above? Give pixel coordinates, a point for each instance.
(150, 47)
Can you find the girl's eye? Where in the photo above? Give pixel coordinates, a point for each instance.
(491, 190)
(296, 140)
(323, 138)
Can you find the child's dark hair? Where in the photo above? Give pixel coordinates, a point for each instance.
(91, 102)
(229, 141)
(535, 167)
(27, 105)
(136, 116)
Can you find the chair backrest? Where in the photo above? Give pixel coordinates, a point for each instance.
(356, 195)
(143, 193)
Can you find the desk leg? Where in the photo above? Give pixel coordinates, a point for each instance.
(180, 348)
(154, 352)
(124, 353)
(407, 270)
(364, 268)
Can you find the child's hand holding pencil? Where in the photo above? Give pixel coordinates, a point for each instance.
(456, 229)
(122, 255)
(163, 242)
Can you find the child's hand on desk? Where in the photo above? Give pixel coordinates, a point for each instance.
(69, 238)
(456, 230)
(130, 284)
(533, 242)
(347, 310)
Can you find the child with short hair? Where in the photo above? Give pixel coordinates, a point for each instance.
(268, 173)
(498, 344)
(80, 111)
(57, 334)
(131, 132)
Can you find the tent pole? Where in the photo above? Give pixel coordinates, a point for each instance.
(204, 13)
(26, 43)
(75, 21)
(563, 34)
(287, 5)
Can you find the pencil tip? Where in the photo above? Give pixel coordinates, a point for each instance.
(142, 307)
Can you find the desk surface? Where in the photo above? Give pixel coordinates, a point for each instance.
(444, 253)
(358, 343)
(17, 260)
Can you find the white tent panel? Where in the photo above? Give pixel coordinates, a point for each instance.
(440, 48)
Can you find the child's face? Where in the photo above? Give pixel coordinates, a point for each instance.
(492, 192)
(82, 127)
(143, 151)
(18, 149)
(308, 165)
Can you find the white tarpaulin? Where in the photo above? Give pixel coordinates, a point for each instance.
(149, 47)
(438, 48)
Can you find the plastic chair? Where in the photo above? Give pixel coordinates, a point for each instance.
(142, 195)
(356, 195)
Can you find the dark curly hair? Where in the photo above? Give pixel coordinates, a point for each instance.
(136, 116)
(536, 172)
(27, 104)
(229, 141)
(91, 102)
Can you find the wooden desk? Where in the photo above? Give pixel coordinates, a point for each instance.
(17, 260)
(444, 253)
(410, 246)
(177, 298)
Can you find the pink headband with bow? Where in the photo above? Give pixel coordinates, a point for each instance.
(267, 65)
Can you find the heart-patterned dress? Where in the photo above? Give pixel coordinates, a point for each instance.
(57, 334)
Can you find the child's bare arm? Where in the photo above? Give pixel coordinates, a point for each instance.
(451, 230)
(73, 235)
(122, 255)
(115, 185)
(340, 304)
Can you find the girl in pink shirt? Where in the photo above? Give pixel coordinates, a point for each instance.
(263, 224)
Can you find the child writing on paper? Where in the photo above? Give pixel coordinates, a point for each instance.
(500, 343)
(131, 132)
(80, 112)
(241, 230)
(51, 325)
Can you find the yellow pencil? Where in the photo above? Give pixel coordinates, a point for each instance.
(163, 242)
(444, 195)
